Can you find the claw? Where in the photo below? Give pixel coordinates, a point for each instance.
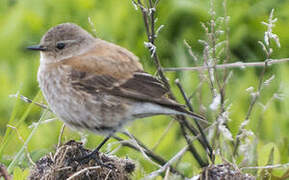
(95, 155)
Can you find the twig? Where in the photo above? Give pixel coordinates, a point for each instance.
(113, 151)
(149, 23)
(60, 136)
(227, 58)
(254, 99)
(78, 173)
(241, 65)
(163, 135)
(150, 153)
(24, 145)
(191, 147)
(269, 35)
(188, 103)
(167, 165)
(107, 176)
(17, 156)
(167, 174)
(205, 130)
(141, 149)
(64, 168)
(267, 167)
(27, 100)
(43, 122)
(213, 40)
(211, 81)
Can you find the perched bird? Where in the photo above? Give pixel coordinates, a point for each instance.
(95, 85)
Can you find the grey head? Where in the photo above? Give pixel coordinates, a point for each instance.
(63, 41)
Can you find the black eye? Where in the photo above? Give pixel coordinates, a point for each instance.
(60, 45)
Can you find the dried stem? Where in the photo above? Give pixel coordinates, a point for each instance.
(227, 58)
(163, 135)
(149, 23)
(27, 100)
(78, 173)
(142, 150)
(165, 167)
(230, 65)
(148, 152)
(17, 156)
(60, 136)
(192, 149)
(252, 104)
(24, 144)
(267, 167)
(203, 136)
(213, 41)
(269, 35)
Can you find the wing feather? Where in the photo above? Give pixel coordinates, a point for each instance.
(111, 69)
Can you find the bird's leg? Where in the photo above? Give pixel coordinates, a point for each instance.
(95, 154)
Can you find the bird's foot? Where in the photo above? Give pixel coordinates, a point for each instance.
(94, 155)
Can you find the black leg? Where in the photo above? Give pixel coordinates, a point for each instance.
(95, 153)
(102, 143)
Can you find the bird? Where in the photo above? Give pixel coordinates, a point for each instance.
(95, 85)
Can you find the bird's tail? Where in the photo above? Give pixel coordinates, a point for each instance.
(184, 111)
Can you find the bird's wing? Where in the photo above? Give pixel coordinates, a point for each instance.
(114, 70)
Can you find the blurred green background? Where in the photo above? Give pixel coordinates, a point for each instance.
(23, 22)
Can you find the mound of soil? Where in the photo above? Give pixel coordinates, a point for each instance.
(224, 172)
(63, 165)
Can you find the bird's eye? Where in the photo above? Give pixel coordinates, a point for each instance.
(60, 45)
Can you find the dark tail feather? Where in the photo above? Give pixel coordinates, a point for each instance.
(184, 111)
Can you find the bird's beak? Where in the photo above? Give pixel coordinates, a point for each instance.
(37, 48)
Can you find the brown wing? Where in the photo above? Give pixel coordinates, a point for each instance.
(144, 83)
(141, 86)
(114, 70)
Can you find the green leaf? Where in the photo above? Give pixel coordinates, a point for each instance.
(268, 155)
(19, 174)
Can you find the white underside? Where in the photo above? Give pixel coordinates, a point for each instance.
(148, 109)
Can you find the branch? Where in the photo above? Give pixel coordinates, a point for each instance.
(229, 65)
(148, 152)
(268, 167)
(205, 143)
(179, 155)
(29, 101)
(149, 23)
(254, 99)
(78, 173)
(269, 36)
(191, 147)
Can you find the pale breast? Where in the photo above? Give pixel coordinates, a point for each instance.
(77, 109)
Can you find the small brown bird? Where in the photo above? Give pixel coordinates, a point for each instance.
(95, 85)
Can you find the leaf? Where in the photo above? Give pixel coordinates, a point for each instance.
(19, 174)
(268, 155)
(267, 173)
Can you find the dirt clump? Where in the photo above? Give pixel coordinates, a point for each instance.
(224, 172)
(63, 165)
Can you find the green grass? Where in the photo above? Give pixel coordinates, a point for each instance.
(23, 23)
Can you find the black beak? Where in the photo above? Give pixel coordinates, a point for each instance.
(37, 48)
